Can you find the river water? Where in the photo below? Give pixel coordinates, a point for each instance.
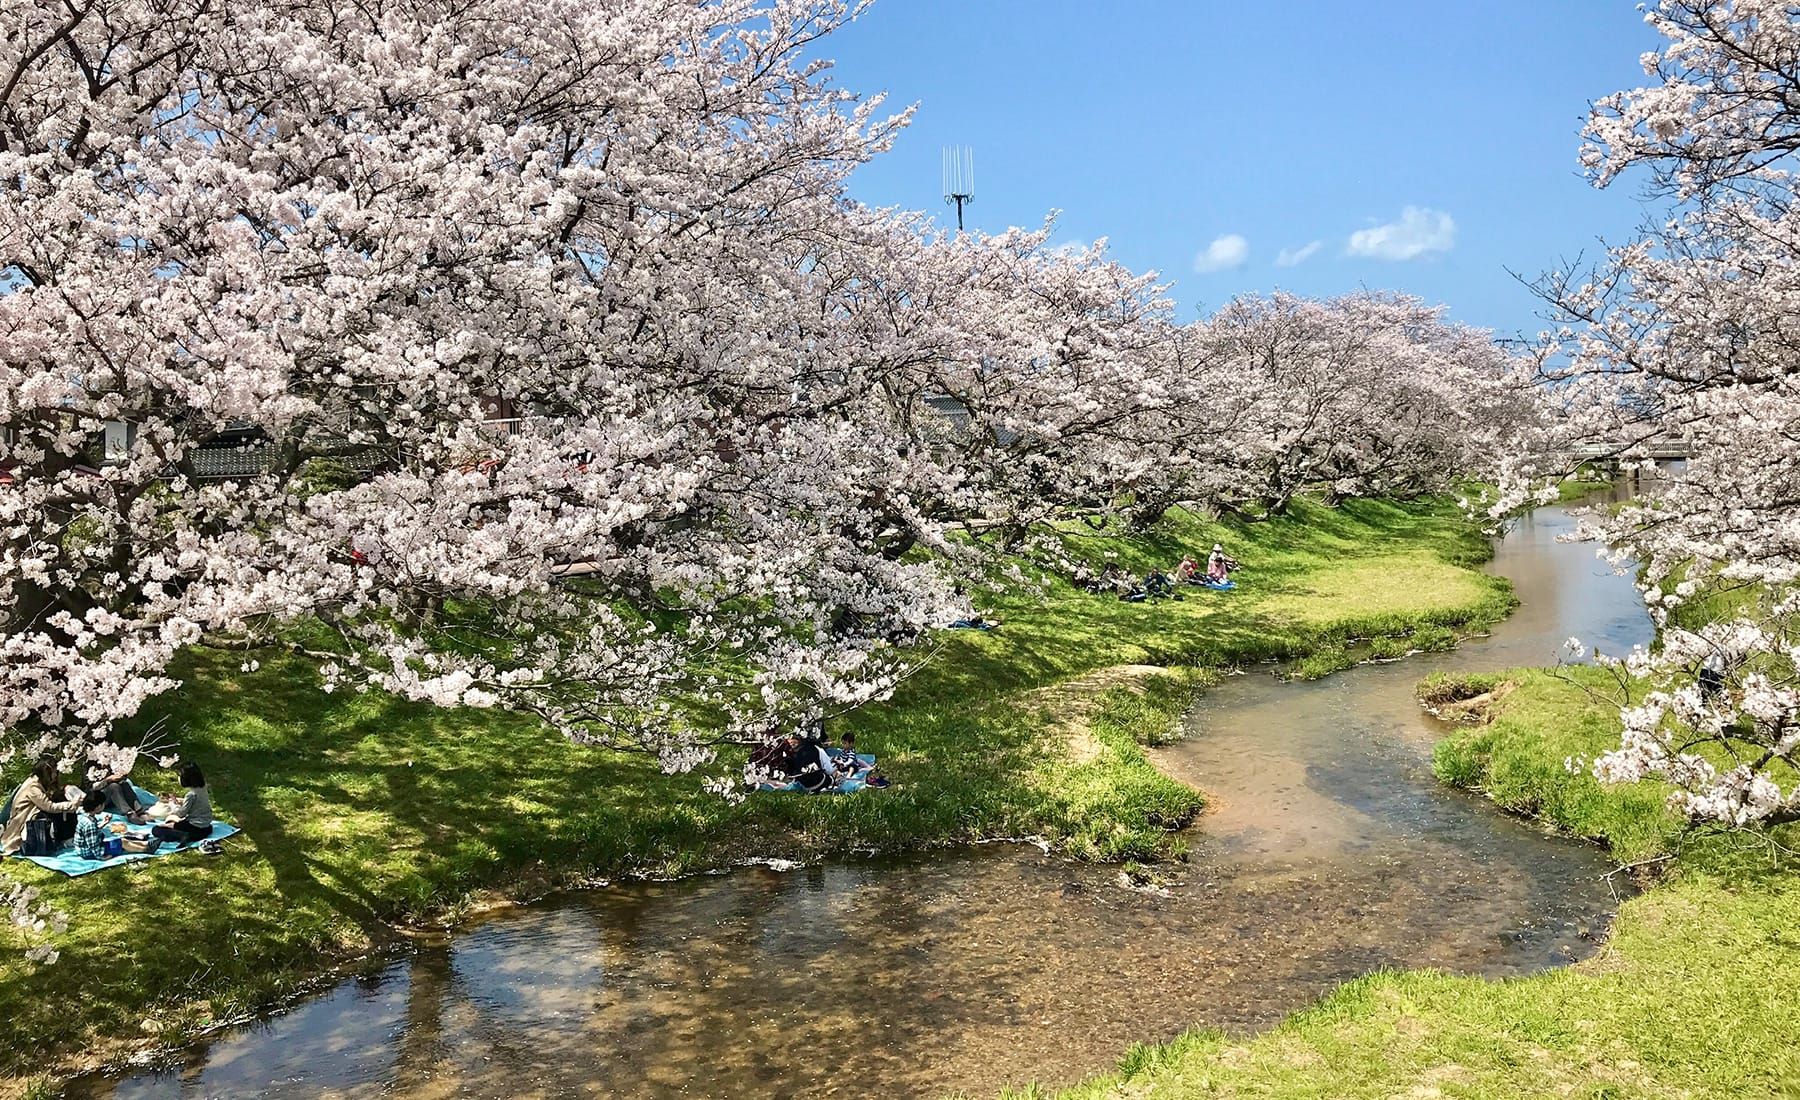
(1330, 851)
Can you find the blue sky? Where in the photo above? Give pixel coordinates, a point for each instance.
(1171, 128)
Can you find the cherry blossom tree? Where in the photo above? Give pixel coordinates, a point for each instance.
(1364, 395)
(562, 372)
(1690, 333)
(363, 232)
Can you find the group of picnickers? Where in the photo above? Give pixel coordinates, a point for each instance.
(1158, 583)
(804, 762)
(43, 816)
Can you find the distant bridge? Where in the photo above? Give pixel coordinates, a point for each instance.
(1610, 457)
(1661, 450)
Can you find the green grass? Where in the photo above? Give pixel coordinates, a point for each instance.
(1117, 806)
(1452, 687)
(1694, 995)
(362, 813)
(1520, 761)
(1581, 486)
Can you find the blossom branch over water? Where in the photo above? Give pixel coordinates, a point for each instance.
(1689, 334)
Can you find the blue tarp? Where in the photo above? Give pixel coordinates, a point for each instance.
(70, 862)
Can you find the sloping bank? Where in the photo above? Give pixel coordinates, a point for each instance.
(364, 817)
(1696, 993)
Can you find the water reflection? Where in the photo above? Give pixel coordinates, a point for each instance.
(1331, 851)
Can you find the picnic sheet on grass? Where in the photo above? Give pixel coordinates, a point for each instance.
(70, 862)
(845, 786)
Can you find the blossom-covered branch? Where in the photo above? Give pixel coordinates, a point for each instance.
(1692, 333)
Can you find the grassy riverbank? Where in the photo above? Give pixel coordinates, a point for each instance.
(362, 814)
(1695, 994)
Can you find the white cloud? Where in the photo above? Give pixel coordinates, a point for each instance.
(1294, 257)
(1419, 231)
(1225, 252)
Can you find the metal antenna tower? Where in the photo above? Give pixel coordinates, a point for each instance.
(959, 178)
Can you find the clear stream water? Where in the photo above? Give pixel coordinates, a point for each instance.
(1330, 851)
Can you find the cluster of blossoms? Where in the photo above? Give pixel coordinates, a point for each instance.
(1690, 333)
(26, 912)
(574, 381)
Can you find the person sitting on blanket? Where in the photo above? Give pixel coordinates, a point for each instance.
(767, 755)
(122, 798)
(845, 759)
(1188, 572)
(40, 794)
(92, 830)
(768, 760)
(851, 766)
(974, 620)
(194, 820)
(810, 766)
(1218, 566)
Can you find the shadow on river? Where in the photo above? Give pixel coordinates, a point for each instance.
(1331, 852)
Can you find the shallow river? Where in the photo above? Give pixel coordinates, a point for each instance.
(1330, 851)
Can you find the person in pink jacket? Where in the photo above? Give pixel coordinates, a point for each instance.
(1218, 566)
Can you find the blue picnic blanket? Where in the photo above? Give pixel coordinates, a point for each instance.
(71, 863)
(1219, 586)
(846, 786)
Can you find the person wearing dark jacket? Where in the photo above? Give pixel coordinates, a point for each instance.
(811, 767)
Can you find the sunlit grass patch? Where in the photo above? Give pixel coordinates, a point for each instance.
(1419, 581)
(1532, 760)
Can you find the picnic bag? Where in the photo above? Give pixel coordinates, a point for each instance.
(40, 837)
(45, 834)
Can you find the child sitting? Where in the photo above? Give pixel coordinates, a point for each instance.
(845, 759)
(852, 766)
(93, 830)
(194, 820)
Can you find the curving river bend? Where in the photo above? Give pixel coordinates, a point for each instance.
(1330, 851)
